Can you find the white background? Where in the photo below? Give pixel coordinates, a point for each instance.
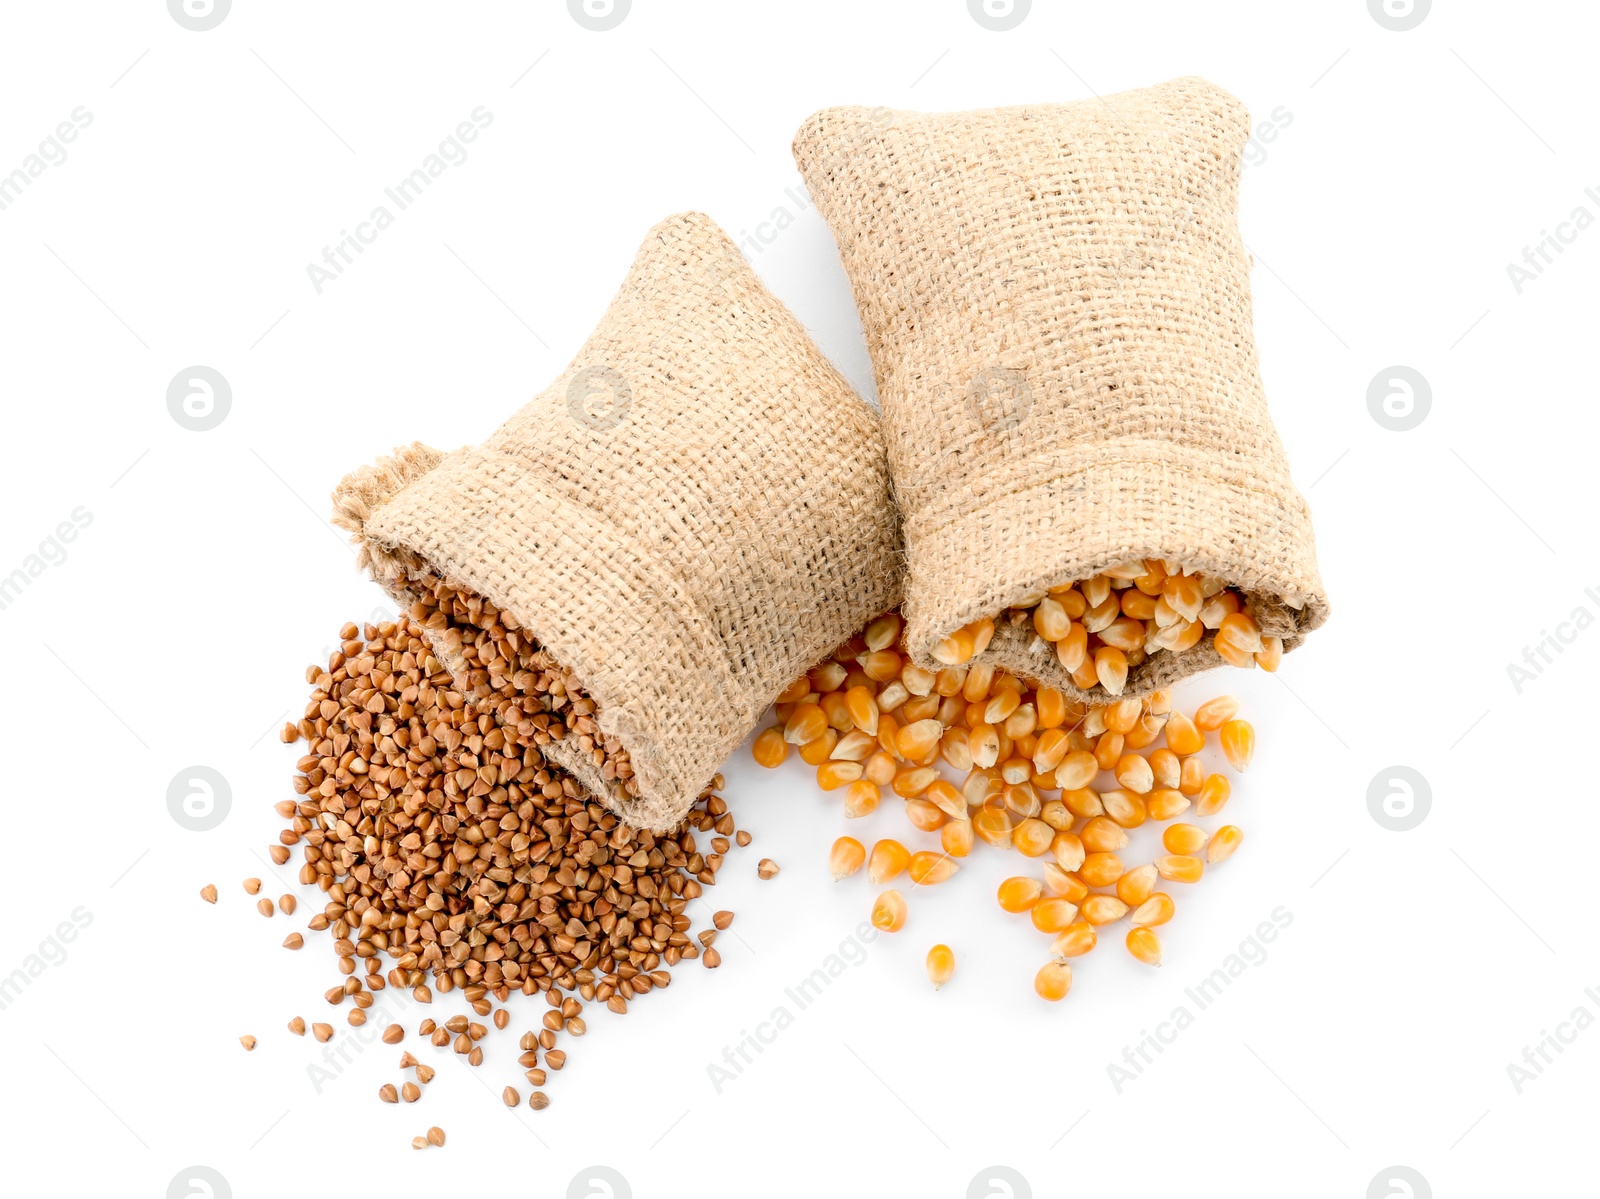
(178, 230)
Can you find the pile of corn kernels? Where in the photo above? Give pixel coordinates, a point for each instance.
(1101, 627)
(978, 755)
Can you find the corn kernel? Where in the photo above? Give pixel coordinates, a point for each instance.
(889, 912)
(846, 857)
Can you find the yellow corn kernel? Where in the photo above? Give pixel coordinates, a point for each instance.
(1050, 619)
(1081, 801)
(854, 746)
(1108, 749)
(889, 912)
(837, 709)
(1055, 814)
(925, 815)
(1156, 910)
(833, 775)
(917, 739)
(769, 748)
(1032, 837)
(983, 744)
(1180, 868)
(1021, 799)
(1144, 945)
(1049, 749)
(1094, 721)
(1072, 651)
(1100, 869)
(1068, 850)
(947, 799)
(1214, 713)
(1095, 590)
(1164, 803)
(883, 632)
(1020, 725)
(1101, 835)
(1135, 886)
(992, 825)
(1192, 777)
(1183, 737)
(917, 680)
(1053, 981)
(862, 703)
(1270, 656)
(1123, 634)
(949, 681)
(829, 676)
(954, 650)
(1111, 669)
(1238, 740)
(1240, 633)
(888, 732)
(982, 633)
(1071, 599)
(910, 782)
(887, 860)
(890, 698)
(980, 677)
(1077, 939)
(1124, 807)
(1136, 605)
(980, 785)
(1166, 768)
(920, 707)
(1183, 838)
(1102, 614)
(880, 768)
(846, 857)
(1064, 883)
(929, 869)
(861, 798)
(1084, 674)
(795, 691)
(1002, 703)
(1102, 909)
(1053, 915)
(1183, 595)
(815, 753)
(1223, 842)
(1121, 716)
(1019, 894)
(1214, 793)
(955, 838)
(1016, 770)
(954, 749)
(1075, 769)
(941, 964)
(806, 723)
(1052, 706)
(1134, 774)
(1144, 733)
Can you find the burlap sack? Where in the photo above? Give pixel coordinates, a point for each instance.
(689, 517)
(1056, 301)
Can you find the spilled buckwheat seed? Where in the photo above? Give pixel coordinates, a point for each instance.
(452, 852)
(1028, 761)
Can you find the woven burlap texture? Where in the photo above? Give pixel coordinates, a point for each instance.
(688, 518)
(1056, 301)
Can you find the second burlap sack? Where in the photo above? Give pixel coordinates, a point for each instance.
(1056, 301)
(689, 517)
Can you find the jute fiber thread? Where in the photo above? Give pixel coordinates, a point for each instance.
(1056, 301)
(688, 518)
